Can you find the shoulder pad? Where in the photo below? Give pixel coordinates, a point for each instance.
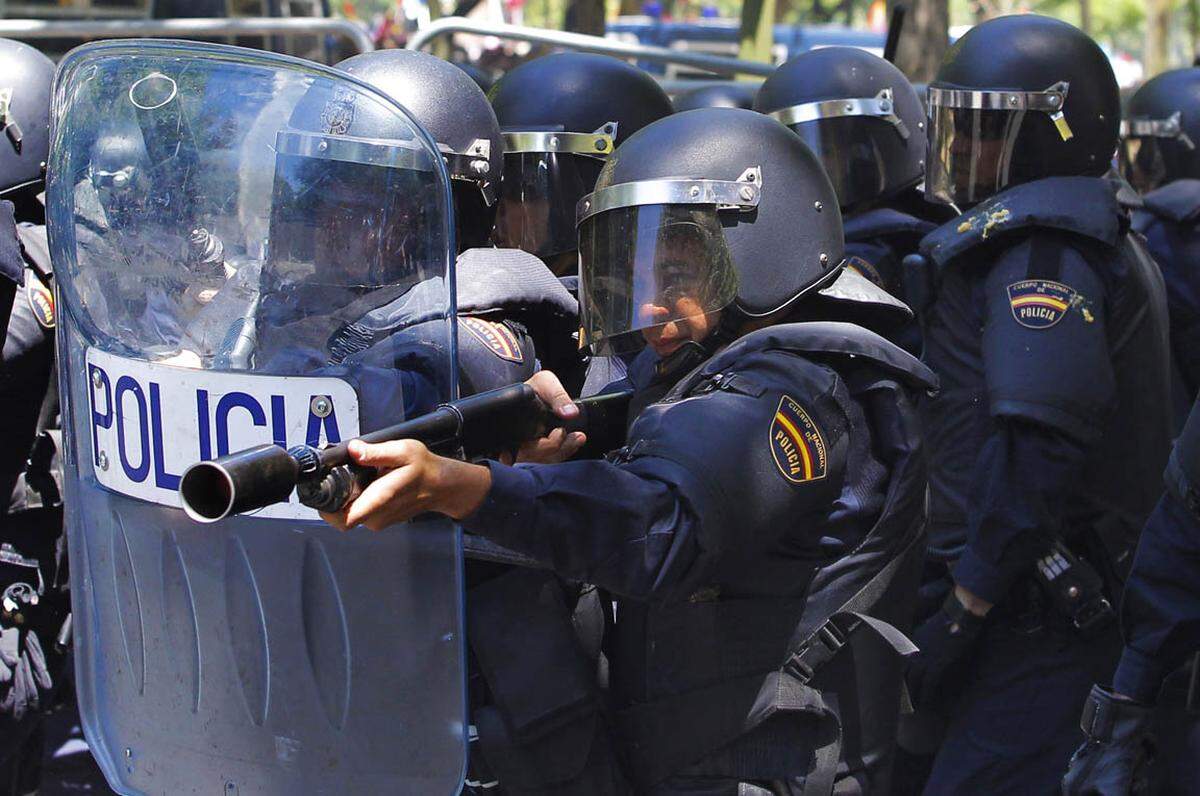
(1085, 206)
(12, 266)
(829, 338)
(36, 247)
(882, 222)
(512, 280)
(1178, 201)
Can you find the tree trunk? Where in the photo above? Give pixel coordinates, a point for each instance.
(1158, 28)
(757, 34)
(1085, 16)
(924, 39)
(585, 16)
(630, 8)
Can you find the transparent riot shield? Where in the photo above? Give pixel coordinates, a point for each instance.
(219, 219)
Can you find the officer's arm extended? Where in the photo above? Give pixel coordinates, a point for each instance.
(1050, 384)
(649, 527)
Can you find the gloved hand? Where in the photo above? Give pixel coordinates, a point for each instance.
(1115, 759)
(945, 640)
(24, 675)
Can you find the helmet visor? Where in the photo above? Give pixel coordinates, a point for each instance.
(538, 194)
(1144, 163)
(973, 136)
(970, 153)
(646, 266)
(350, 213)
(852, 155)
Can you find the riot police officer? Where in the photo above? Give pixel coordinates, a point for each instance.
(32, 583)
(1049, 335)
(562, 114)
(864, 119)
(513, 315)
(1160, 621)
(507, 300)
(764, 511)
(1160, 159)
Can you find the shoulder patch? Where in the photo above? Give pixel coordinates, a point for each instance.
(1040, 303)
(797, 443)
(496, 337)
(41, 302)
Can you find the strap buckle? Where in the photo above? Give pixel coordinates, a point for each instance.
(805, 663)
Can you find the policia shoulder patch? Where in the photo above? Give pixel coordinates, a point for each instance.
(496, 337)
(1040, 303)
(41, 302)
(797, 443)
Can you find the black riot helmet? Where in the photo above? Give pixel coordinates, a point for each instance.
(1017, 99)
(1160, 135)
(859, 114)
(562, 114)
(26, 78)
(717, 95)
(706, 210)
(452, 108)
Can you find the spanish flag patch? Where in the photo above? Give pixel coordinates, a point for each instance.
(797, 443)
(1039, 303)
(496, 337)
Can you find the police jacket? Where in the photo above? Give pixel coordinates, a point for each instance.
(753, 503)
(1169, 220)
(1160, 611)
(1049, 335)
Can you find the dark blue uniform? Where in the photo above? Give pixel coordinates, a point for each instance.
(1049, 336)
(878, 240)
(755, 497)
(1170, 221)
(31, 517)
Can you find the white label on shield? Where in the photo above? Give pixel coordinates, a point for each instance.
(150, 421)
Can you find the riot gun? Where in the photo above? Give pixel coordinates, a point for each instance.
(325, 478)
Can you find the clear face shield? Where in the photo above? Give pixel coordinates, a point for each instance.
(1148, 150)
(973, 136)
(653, 254)
(849, 135)
(545, 175)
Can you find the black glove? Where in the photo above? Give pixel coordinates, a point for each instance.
(1116, 757)
(945, 641)
(24, 676)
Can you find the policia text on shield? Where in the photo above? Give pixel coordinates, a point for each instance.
(479, 425)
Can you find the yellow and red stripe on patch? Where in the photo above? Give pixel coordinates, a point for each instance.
(1039, 303)
(496, 337)
(797, 443)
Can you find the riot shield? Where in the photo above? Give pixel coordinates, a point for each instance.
(217, 227)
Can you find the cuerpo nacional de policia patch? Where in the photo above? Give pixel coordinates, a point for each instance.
(41, 302)
(797, 444)
(1040, 303)
(496, 337)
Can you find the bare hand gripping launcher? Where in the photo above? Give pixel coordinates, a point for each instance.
(325, 479)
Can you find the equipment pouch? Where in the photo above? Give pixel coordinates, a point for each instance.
(1075, 589)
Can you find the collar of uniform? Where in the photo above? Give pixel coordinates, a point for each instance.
(1177, 201)
(883, 221)
(823, 337)
(1086, 206)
